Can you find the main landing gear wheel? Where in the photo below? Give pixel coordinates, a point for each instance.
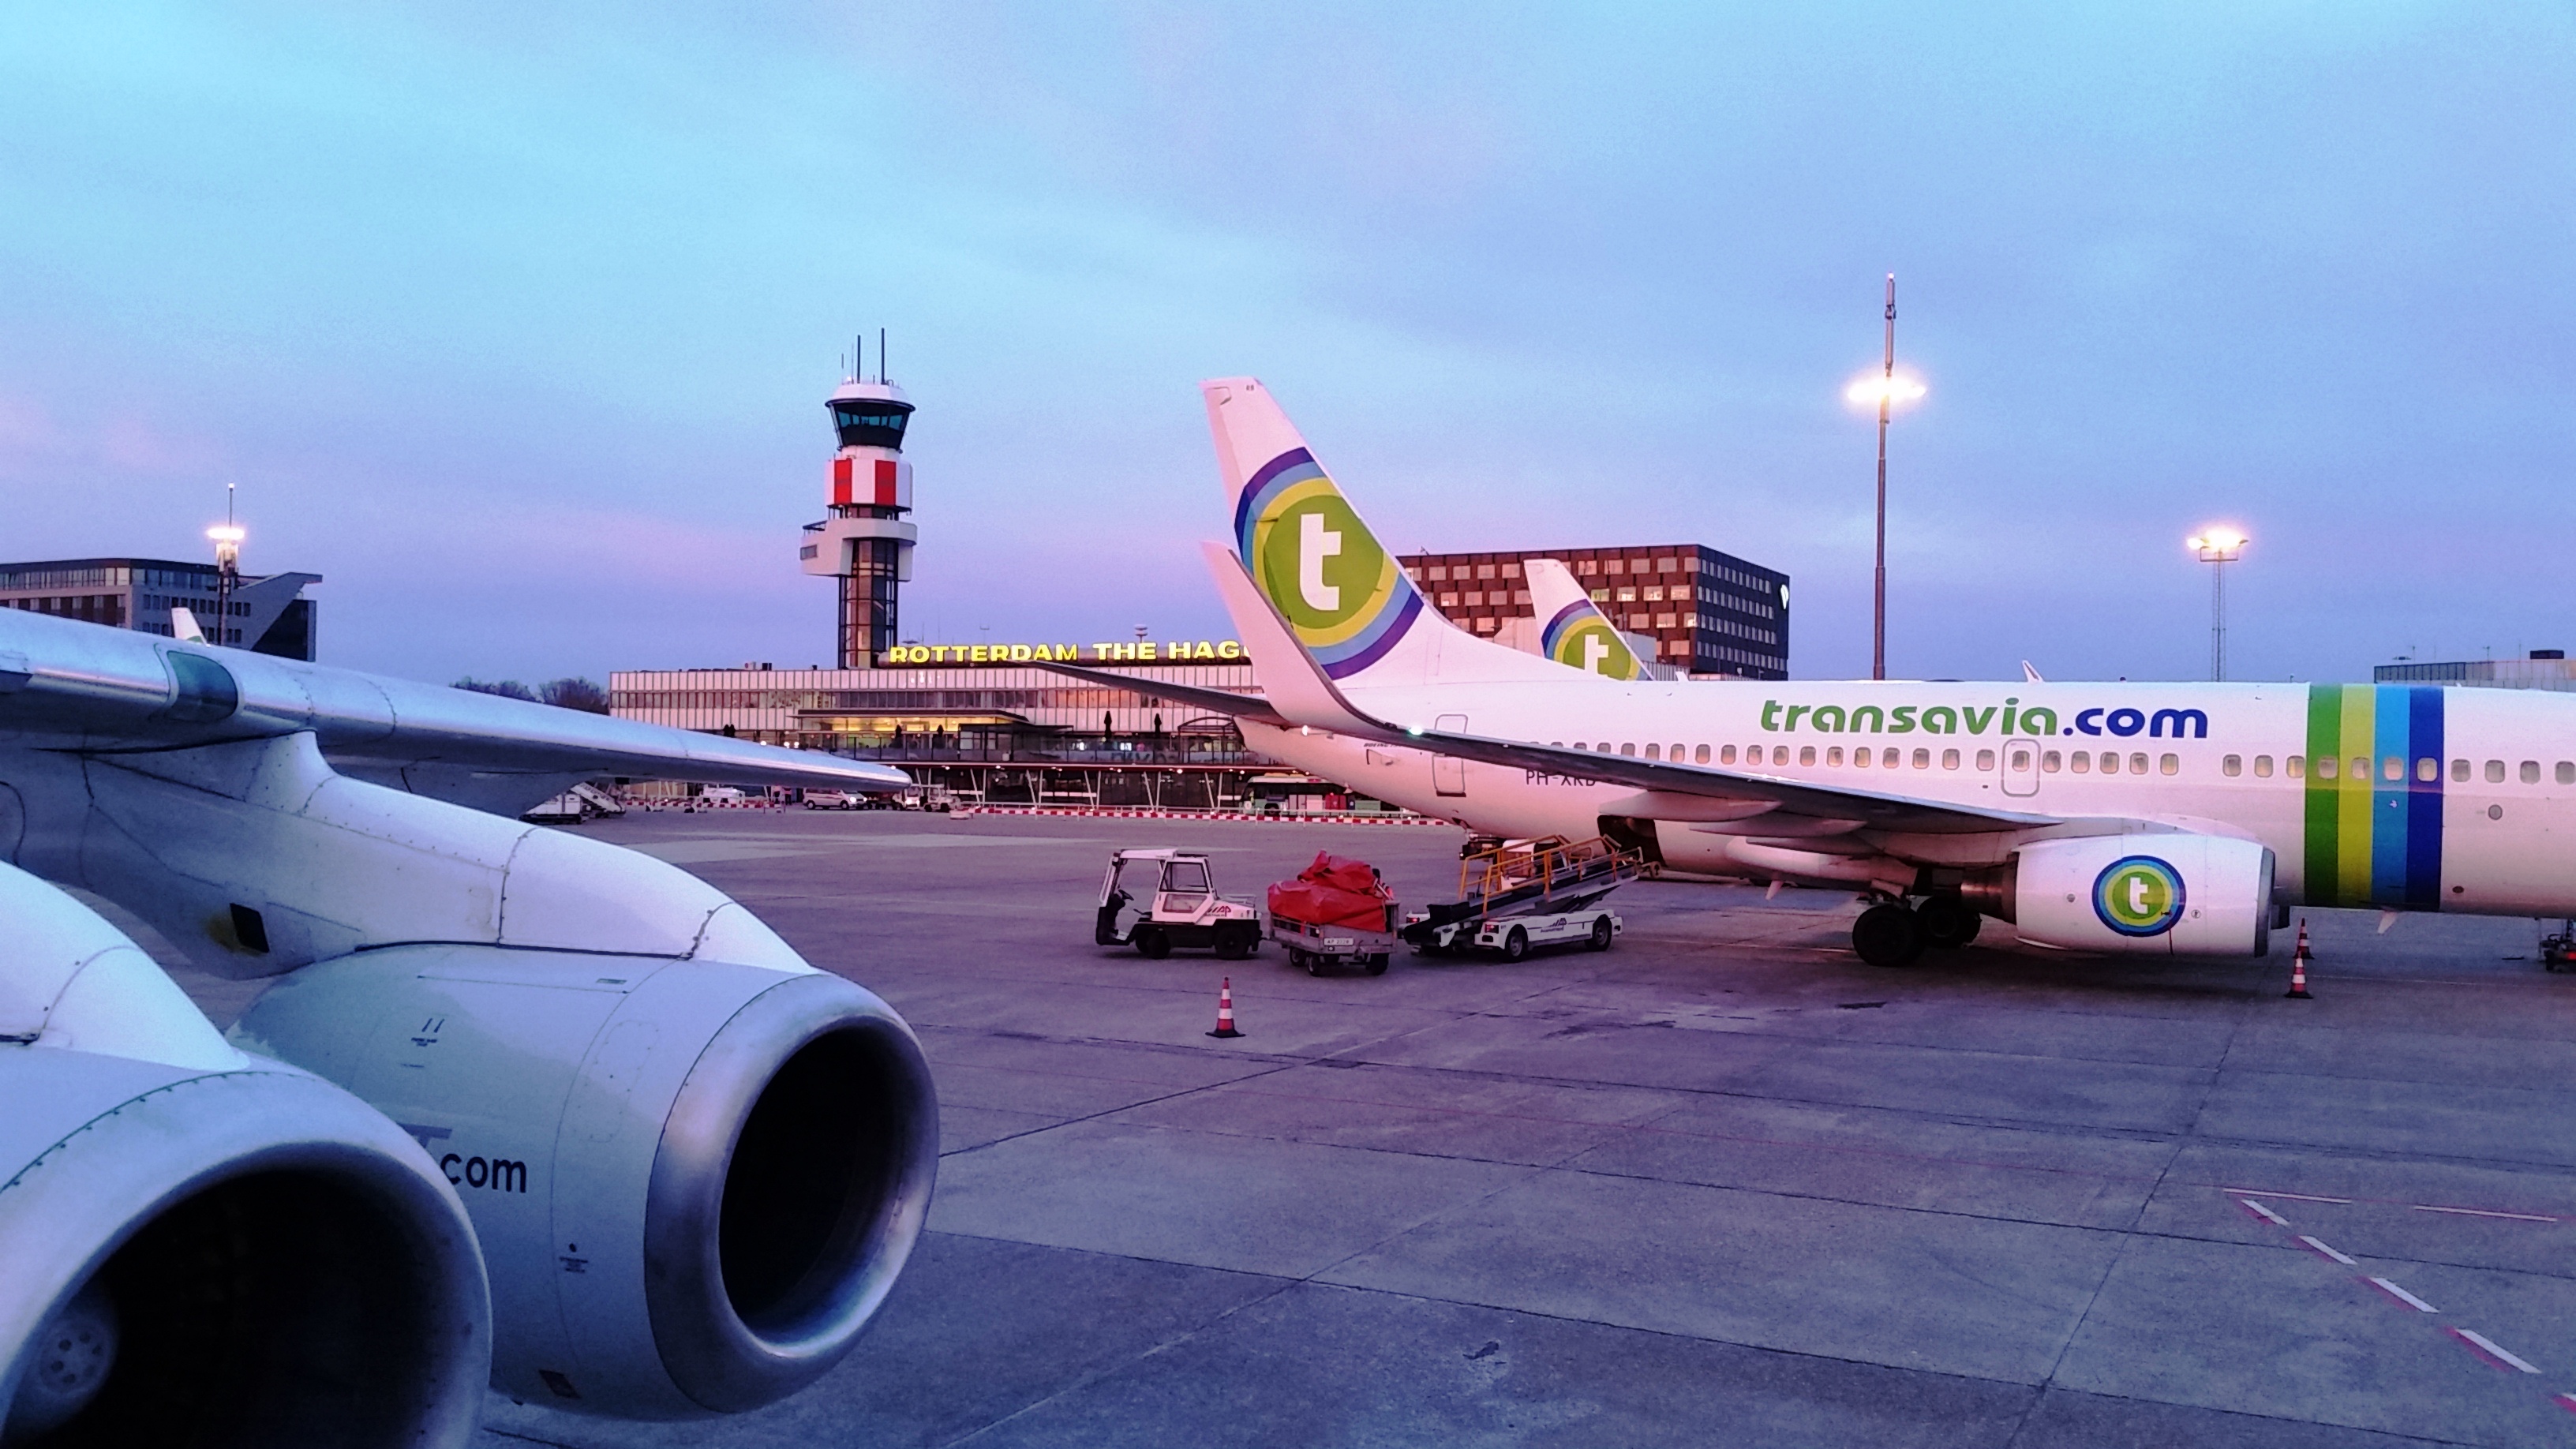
(1152, 943)
(1516, 945)
(1887, 935)
(1600, 940)
(1945, 920)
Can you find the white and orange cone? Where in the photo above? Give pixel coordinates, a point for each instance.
(2299, 967)
(1225, 1009)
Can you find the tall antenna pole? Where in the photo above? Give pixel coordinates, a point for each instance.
(882, 374)
(1878, 603)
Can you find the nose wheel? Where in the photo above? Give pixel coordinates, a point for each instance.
(1888, 934)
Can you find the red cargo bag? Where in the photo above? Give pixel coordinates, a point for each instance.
(1333, 892)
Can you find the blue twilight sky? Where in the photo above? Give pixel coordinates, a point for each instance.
(515, 321)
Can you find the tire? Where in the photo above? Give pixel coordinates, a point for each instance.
(1516, 945)
(1233, 943)
(1601, 933)
(1946, 921)
(1377, 964)
(1313, 963)
(1153, 943)
(1887, 935)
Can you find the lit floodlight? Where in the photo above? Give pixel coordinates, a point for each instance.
(1869, 390)
(2224, 541)
(225, 533)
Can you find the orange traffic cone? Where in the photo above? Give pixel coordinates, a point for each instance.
(1225, 1010)
(2299, 967)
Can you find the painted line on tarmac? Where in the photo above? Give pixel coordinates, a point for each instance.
(2401, 1295)
(2292, 1196)
(2493, 1351)
(2567, 1402)
(2487, 1213)
(2329, 1252)
(2266, 1214)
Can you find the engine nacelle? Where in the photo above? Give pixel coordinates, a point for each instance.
(694, 1182)
(2176, 894)
(202, 1247)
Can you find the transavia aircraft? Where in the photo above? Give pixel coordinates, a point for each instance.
(2169, 818)
(519, 1108)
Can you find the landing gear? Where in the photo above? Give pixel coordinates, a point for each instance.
(1887, 934)
(1945, 920)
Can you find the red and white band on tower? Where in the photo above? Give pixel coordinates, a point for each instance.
(865, 541)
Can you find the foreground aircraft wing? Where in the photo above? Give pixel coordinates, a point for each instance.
(68, 685)
(1300, 691)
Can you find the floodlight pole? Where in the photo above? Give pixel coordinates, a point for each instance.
(1878, 602)
(2218, 548)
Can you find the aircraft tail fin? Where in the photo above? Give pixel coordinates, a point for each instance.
(1572, 629)
(1345, 597)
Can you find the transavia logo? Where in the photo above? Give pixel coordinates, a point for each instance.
(1341, 592)
(1586, 641)
(2138, 895)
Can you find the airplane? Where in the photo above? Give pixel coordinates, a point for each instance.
(2158, 818)
(1575, 632)
(518, 1108)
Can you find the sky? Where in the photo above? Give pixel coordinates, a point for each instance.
(515, 322)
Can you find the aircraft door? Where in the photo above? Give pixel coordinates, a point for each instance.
(1448, 772)
(2021, 767)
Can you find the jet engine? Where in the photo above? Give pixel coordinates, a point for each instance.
(693, 1181)
(202, 1247)
(2171, 894)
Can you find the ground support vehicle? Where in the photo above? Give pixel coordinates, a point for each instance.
(1163, 899)
(1525, 894)
(1514, 936)
(1319, 947)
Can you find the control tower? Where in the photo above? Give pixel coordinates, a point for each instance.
(865, 542)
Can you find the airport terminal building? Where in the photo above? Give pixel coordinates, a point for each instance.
(1709, 613)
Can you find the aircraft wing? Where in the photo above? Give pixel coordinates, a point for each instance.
(1304, 694)
(89, 688)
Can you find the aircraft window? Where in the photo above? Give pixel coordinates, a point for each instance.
(2262, 767)
(2296, 766)
(1779, 754)
(2050, 762)
(1860, 758)
(1675, 752)
(2021, 757)
(2231, 765)
(2428, 769)
(1888, 761)
(1186, 875)
(2327, 768)
(2082, 763)
(1834, 756)
(2567, 772)
(1985, 759)
(2137, 764)
(2531, 772)
(1806, 754)
(2169, 764)
(1628, 749)
(1654, 752)
(1699, 756)
(2360, 767)
(2460, 770)
(1923, 759)
(2495, 772)
(2393, 767)
(1949, 759)
(1726, 755)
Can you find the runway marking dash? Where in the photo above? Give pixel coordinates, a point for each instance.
(2402, 1296)
(2266, 1214)
(2494, 1350)
(2292, 1196)
(2329, 1252)
(2486, 1213)
(2567, 1402)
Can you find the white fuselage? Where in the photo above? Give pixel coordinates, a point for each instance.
(2465, 798)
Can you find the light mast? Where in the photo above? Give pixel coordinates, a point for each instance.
(865, 541)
